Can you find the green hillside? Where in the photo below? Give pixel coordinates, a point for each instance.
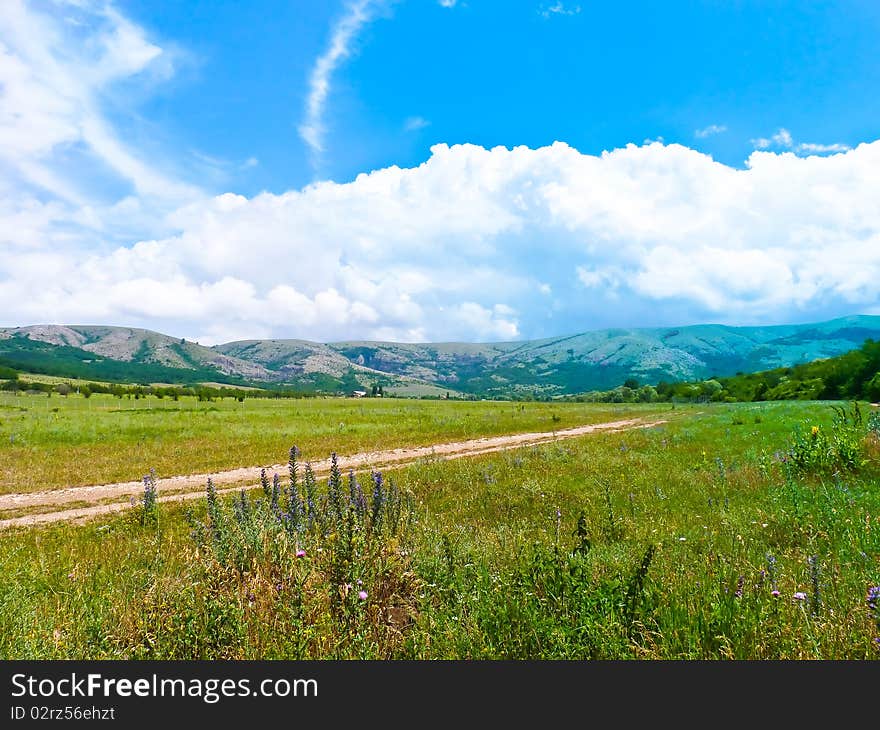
(604, 359)
(589, 361)
(24, 354)
(853, 375)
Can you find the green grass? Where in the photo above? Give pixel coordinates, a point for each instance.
(660, 543)
(47, 443)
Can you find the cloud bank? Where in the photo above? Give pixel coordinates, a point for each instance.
(489, 244)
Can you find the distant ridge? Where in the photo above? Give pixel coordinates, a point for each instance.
(593, 360)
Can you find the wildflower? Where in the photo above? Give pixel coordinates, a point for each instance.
(774, 593)
(814, 431)
(873, 597)
(739, 587)
(682, 539)
(362, 595)
(800, 596)
(300, 553)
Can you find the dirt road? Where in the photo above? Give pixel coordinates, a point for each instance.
(108, 498)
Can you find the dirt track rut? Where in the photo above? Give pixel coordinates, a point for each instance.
(180, 488)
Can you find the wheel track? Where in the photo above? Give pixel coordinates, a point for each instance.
(187, 487)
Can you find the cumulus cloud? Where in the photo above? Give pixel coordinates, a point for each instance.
(783, 140)
(472, 243)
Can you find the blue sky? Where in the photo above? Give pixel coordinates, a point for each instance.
(436, 169)
(513, 73)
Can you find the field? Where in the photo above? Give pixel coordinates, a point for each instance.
(46, 443)
(731, 531)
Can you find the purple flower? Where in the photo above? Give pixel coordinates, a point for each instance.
(873, 597)
(362, 595)
(300, 553)
(799, 596)
(774, 593)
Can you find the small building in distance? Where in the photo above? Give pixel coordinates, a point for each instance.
(358, 393)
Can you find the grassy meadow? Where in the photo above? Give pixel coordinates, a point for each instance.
(59, 441)
(744, 531)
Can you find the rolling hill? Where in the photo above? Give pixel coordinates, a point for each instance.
(594, 360)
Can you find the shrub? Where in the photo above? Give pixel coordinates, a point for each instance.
(816, 449)
(331, 557)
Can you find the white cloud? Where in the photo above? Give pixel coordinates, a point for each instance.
(413, 124)
(783, 140)
(342, 38)
(820, 148)
(67, 173)
(710, 131)
(469, 244)
(447, 3)
(559, 8)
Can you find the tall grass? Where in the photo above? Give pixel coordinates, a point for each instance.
(697, 539)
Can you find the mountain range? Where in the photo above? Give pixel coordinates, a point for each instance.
(593, 360)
